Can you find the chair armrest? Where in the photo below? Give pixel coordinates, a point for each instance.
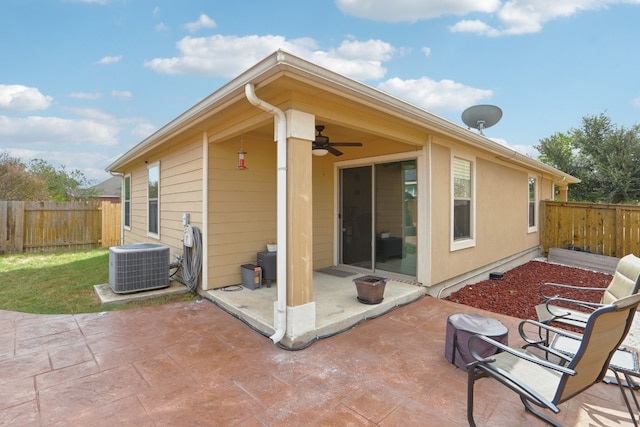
(542, 343)
(591, 306)
(561, 286)
(483, 360)
(545, 326)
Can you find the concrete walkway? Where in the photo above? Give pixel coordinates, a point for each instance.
(193, 364)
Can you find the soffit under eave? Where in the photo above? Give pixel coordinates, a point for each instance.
(330, 108)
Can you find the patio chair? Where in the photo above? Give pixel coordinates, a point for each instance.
(626, 281)
(545, 384)
(623, 364)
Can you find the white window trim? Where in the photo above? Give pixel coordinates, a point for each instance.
(536, 198)
(124, 185)
(456, 245)
(150, 234)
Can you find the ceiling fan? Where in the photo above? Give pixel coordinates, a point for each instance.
(322, 146)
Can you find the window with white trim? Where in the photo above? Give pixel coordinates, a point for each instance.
(126, 205)
(153, 200)
(463, 203)
(533, 191)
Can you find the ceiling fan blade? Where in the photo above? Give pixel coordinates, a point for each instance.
(346, 144)
(333, 150)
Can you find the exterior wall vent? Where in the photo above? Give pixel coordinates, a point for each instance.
(138, 267)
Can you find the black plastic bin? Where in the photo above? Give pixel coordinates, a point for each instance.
(251, 276)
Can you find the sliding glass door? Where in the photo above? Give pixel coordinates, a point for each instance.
(379, 217)
(356, 216)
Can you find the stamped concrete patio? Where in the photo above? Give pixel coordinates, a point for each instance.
(193, 364)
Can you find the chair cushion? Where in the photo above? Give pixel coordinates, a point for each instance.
(542, 380)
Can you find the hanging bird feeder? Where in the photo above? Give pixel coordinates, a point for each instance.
(241, 163)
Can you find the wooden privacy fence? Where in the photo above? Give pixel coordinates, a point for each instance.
(53, 226)
(612, 230)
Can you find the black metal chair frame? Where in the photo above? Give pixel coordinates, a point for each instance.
(572, 377)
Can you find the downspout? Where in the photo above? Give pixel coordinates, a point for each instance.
(121, 175)
(281, 209)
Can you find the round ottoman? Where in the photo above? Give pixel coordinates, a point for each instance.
(460, 327)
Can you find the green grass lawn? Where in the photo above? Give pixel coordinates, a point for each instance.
(61, 283)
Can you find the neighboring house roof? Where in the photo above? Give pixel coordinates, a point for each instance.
(112, 187)
(281, 64)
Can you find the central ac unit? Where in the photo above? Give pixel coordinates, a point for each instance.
(138, 267)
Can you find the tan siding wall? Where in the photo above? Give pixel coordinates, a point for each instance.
(242, 205)
(242, 213)
(180, 191)
(138, 232)
(324, 211)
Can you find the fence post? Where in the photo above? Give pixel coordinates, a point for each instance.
(542, 225)
(11, 227)
(619, 247)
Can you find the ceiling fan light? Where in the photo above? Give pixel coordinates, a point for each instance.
(319, 152)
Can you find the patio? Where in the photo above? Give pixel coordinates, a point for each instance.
(337, 307)
(193, 364)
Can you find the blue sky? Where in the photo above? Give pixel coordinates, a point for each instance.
(82, 81)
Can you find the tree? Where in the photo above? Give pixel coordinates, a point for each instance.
(605, 157)
(556, 151)
(61, 184)
(610, 158)
(40, 181)
(17, 183)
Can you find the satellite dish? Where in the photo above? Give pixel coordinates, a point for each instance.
(481, 116)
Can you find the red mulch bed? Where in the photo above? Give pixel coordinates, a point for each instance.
(518, 293)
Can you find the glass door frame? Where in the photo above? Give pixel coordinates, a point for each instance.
(422, 182)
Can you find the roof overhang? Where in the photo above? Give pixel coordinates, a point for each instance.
(281, 64)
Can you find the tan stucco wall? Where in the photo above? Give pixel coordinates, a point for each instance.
(501, 214)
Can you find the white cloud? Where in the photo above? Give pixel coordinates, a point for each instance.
(92, 114)
(217, 55)
(53, 131)
(110, 60)
(527, 150)
(514, 16)
(426, 51)
(636, 102)
(85, 95)
(474, 26)
(203, 22)
(413, 10)
(121, 94)
(20, 98)
(529, 16)
(440, 96)
(161, 27)
(143, 130)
